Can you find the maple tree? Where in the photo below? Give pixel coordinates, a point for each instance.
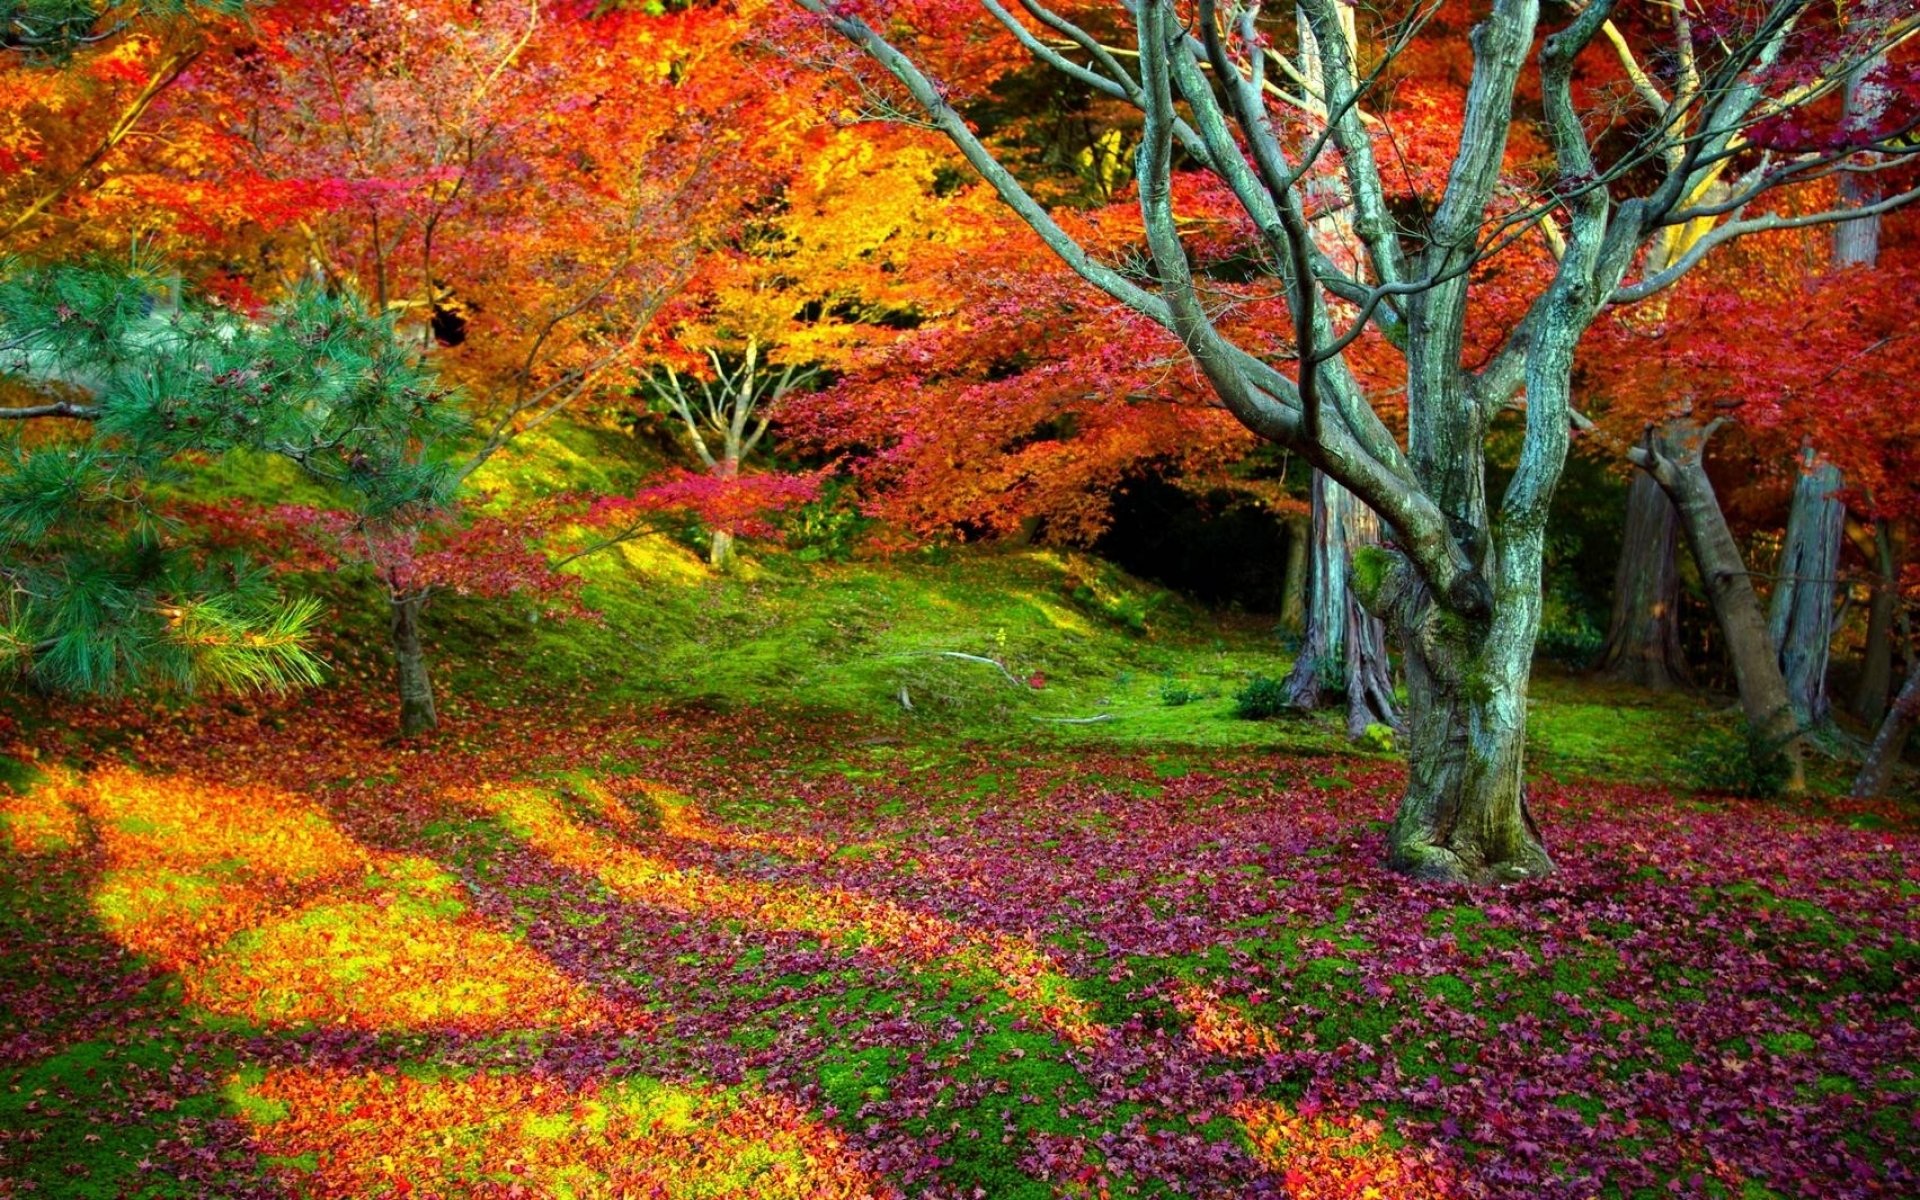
(391, 155)
(1461, 587)
(1765, 342)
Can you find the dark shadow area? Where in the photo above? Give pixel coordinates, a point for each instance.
(1219, 549)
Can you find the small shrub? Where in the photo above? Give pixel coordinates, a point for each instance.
(827, 529)
(1377, 738)
(1109, 598)
(1260, 699)
(1741, 762)
(1574, 646)
(1177, 695)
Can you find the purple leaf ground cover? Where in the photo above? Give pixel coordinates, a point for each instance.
(806, 965)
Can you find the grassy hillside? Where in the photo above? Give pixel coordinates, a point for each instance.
(970, 643)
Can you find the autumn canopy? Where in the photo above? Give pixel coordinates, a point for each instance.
(959, 598)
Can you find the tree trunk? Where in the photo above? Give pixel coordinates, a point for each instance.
(720, 549)
(1344, 649)
(1675, 457)
(1888, 547)
(1369, 671)
(1856, 243)
(410, 662)
(1876, 773)
(1464, 815)
(1317, 670)
(1643, 635)
(1293, 595)
(1800, 621)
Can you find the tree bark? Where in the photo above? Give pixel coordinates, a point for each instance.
(1876, 773)
(417, 713)
(1293, 595)
(1801, 618)
(720, 548)
(1317, 669)
(1369, 681)
(1344, 649)
(1675, 457)
(1886, 550)
(1643, 634)
(1464, 814)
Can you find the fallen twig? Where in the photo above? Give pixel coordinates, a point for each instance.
(995, 663)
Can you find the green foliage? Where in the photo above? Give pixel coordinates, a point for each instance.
(105, 591)
(1178, 695)
(1378, 738)
(1572, 643)
(827, 529)
(1569, 634)
(1743, 762)
(1260, 699)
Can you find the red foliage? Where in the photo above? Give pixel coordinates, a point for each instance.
(739, 504)
(469, 552)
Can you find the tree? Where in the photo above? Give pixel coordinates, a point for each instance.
(1800, 612)
(1770, 352)
(120, 372)
(1461, 587)
(728, 418)
(1643, 630)
(102, 592)
(496, 178)
(1343, 648)
(1876, 772)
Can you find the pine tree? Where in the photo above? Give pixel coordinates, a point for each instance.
(131, 380)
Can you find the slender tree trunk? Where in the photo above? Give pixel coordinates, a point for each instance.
(1293, 595)
(410, 663)
(1876, 773)
(1887, 547)
(1344, 650)
(1643, 635)
(1675, 458)
(720, 549)
(1800, 620)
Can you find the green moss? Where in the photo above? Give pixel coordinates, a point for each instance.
(1371, 567)
(19, 775)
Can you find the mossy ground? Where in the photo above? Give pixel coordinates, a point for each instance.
(1105, 707)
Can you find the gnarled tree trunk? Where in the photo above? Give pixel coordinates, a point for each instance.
(1464, 814)
(1293, 593)
(1643, 634)
(1344, 648)
(1675, 457)
(410, 665)
(1801, 617)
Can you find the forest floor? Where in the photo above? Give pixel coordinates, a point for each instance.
(687, 903)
